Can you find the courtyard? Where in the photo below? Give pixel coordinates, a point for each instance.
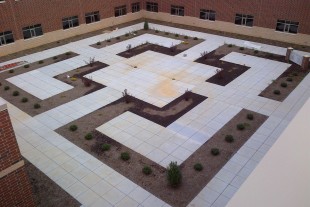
(161, 95)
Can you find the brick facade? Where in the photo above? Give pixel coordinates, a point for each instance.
(14, 15)
(15, 188)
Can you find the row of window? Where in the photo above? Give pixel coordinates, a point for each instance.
(69, 22)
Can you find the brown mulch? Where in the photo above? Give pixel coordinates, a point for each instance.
(46, 192)
(156, 183)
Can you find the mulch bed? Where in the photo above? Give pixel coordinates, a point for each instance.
(229, 72)
(156, 183)
(46, 192)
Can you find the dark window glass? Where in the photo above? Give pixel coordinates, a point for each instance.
(135, 7)
(152, 6)
(6, 37)
(177, 10)
(207, 14)
(92, 17)
(120, 11)
(32, 31)
(69, 22)
(245, 20)
(287, 26)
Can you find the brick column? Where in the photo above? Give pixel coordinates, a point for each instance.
(15, 189)
(305, 62)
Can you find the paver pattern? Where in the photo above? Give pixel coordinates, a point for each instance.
(92, 182)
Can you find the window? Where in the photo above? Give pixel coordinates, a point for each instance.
(245, 20)
(120, 11)
(92, 17)
(135, 7)
(152, 6)
(287, 26)
(32, 31)
(177, 10)
(70, 22)
(6, 37)
(207, 14)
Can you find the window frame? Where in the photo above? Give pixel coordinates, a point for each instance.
(120, 10)
(151, 6)
(4, 38)
(245, 20)
(33, 31)
(177, 10)
(135, 7)
(209, 14)
(70, 22)
(289, 27)
(92, 16)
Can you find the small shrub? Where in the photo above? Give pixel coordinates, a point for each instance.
(167, 33)
(147, 170)
(295, 74)
(26, 66)
(146, 25)
(55, 58)
(230, 45)
(250, 116)
(195, 38)
(11, 71)
(241, 48)
(229, 138)
(135, 32)
(36, 106)
(283, 85)
(198, 167)
(98, 43)
(125, 156)
(289, 79)
(24, 100)
(256, 51)
(106, 147)
(88, 136)
(108, 40)
(41, 62)
(128, 47)
(185, 37)
(176, 35)
(73, 78)
(68, 53)
(174, 174)
(118, 38)
(127, 35)
(73, 128)
(15, 93)
(187, 95)
(126, 96)
(276, 92)
(215, 151)
(6, 88)
(87, 82)
(240, 126)
(156, 31)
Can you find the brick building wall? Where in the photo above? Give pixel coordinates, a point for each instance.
(15, 188)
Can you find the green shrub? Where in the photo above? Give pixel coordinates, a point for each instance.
(146, 25)
(174, 174)
(240, 126)
(283, 85)
(125, 156)
(176, 35)
(229, 138)
(289, 79)
(198, 167)
(55, 58)
(106, 147)
(108, 40)
(195, 38)
(26, 66)
(15, 93)
(68, 53)
(185, 37)
(156, 31)
(73, 128)
(118, 38)
(250, 116)
(215, 151)
(256, 51)
(277, 92)
(11, 71)
(147, 170)
(36, 106)
(241, 48)
(88, 136)
(167, 33)
(98, 43)
(295, 74)
(127, 35)
(230, 45)
(41, 62)
(24, 100)
(6, 88)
